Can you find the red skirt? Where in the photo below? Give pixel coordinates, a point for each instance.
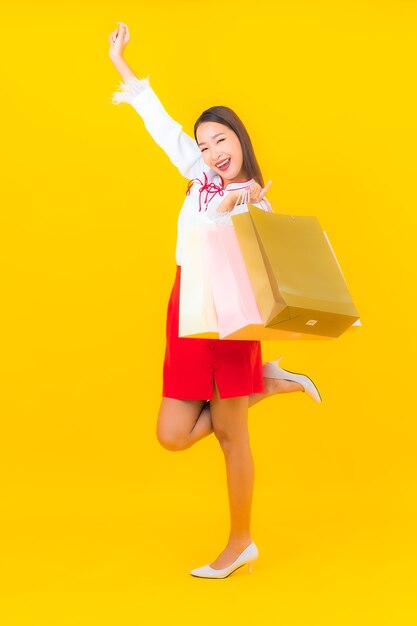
(191, 365)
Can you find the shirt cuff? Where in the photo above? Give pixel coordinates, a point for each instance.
(130, 89)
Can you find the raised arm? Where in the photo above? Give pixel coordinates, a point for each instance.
(167, 133)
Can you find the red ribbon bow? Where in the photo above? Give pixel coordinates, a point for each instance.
(209, 188)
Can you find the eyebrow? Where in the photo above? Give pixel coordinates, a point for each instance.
(214, 137)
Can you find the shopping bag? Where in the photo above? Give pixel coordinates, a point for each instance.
(296, 279)
(216, 297)
(197, 313)
(237, 312)
(233, 296)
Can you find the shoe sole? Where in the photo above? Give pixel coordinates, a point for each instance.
(220, 577)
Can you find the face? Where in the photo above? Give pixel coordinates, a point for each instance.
(219, 143)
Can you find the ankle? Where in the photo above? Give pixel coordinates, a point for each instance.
(239, 543)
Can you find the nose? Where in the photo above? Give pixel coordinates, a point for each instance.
(214, 155)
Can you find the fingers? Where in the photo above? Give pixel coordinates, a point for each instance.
(122, 31)
(254, 191)
(253, 194)
(265, 189)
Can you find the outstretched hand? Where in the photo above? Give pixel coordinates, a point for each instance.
(118, 40)
(256, 194)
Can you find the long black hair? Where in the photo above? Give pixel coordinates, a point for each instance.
(224, 115)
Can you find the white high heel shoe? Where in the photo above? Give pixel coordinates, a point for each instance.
(272, 370)
(248, 555)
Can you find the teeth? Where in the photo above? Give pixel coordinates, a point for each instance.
(222, 163)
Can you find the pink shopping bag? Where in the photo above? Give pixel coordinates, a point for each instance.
(233, 295)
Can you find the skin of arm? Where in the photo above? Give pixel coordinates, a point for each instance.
(256, 195)
(118, 40)
(123, 68)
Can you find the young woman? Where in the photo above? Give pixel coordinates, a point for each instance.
(208, 385)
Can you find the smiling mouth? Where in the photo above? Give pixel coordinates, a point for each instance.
(223, 165)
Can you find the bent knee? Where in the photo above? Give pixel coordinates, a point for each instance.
(170, 441)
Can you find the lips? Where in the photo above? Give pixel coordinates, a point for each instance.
(223, 164)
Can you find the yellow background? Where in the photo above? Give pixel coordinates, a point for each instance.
(99, 524)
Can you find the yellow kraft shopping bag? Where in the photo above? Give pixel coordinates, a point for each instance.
(296, 279)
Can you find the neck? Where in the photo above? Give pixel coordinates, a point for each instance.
(241, 178)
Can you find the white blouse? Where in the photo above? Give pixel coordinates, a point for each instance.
(205, 190)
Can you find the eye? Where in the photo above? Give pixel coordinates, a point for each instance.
(218, 141)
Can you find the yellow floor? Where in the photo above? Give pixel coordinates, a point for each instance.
(317, 565)
(105, 528)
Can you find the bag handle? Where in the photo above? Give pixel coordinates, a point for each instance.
(245, 195)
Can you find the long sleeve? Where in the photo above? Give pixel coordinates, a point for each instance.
(181, 149)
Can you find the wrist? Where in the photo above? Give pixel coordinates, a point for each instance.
(236, 198)
(116, 57)
(231, 201)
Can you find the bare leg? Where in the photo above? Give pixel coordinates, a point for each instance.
(230, 424)
(181, 423)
